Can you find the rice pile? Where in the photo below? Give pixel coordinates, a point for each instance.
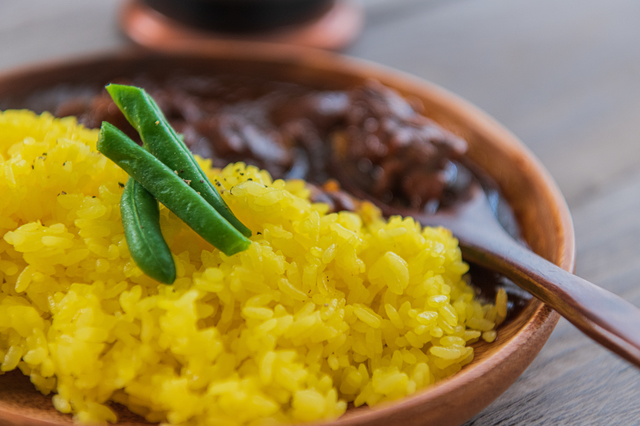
(321, 310)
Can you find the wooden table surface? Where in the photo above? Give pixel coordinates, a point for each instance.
(563, 75)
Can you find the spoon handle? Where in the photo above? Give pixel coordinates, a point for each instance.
(606, 318)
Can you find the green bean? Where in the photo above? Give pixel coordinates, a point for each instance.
(171, 190)
(159, 138)
(141, 221)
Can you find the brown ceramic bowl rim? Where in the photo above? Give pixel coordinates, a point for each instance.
(523, 347)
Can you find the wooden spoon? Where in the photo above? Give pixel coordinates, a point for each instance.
(606, 318)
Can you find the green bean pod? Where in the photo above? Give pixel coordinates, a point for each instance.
(159, 138)
(141, 221)
(171, 190)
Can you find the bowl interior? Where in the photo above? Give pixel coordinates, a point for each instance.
(537, 203)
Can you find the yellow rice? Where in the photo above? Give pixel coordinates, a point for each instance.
(321, 310)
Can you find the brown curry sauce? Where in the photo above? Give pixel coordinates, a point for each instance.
(368, 142)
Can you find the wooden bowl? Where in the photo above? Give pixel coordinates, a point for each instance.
(527, 186)
(240, 16)
(322, 24)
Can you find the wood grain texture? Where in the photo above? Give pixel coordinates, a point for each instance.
(562, 75)
(605, 317)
